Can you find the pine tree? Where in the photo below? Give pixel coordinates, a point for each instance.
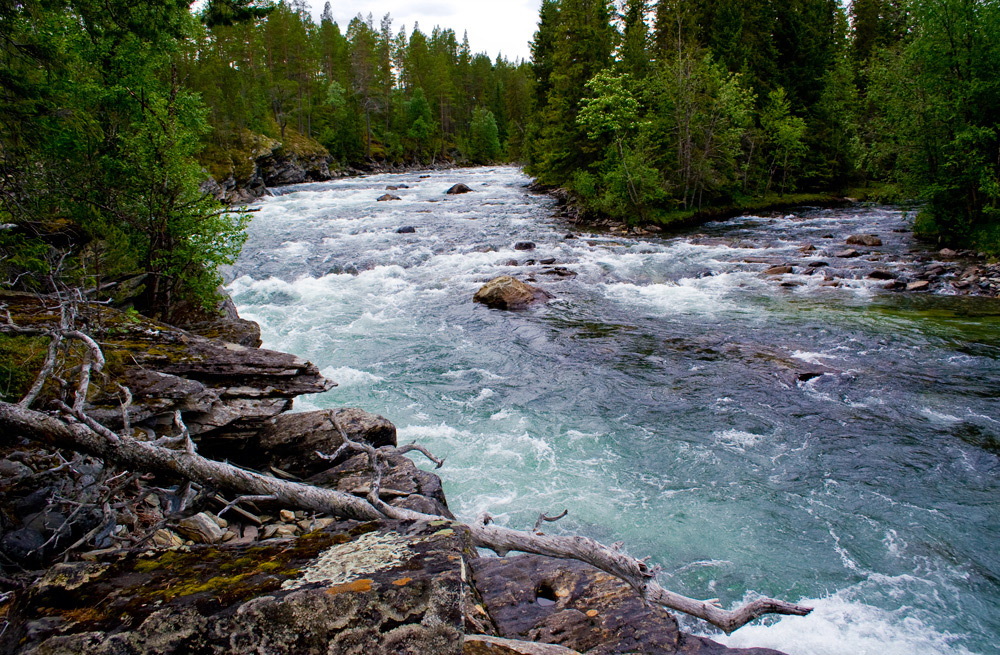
(634, 54)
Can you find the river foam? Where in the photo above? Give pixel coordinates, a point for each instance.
(668, 396)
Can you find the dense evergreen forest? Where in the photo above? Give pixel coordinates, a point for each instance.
(656, 112)
(113, 113)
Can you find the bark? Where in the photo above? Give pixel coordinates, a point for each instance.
(135, 455)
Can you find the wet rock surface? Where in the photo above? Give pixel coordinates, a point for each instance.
(574, 605)
(506, 292)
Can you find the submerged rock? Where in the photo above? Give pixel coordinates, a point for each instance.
(850, 253)
(508, 293)
(387, 197)
(524, 245)
(458, 189)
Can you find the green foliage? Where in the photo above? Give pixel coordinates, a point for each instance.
(20, 360)
(936, 124)
(484, 138)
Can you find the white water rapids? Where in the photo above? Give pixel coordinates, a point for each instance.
(835, 445)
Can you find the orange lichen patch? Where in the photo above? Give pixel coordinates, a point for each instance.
(592, 613)
(402, 582)
(356, 587)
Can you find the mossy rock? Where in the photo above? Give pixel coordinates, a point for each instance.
(393, 586)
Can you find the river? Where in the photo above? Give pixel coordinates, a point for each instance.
(834, 445)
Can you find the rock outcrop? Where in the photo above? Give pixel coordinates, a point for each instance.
(574, 605)
(378, 588)
(217, 386)
(509, 293)
(458, 189)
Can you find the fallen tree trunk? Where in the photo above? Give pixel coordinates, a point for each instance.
(141, 456)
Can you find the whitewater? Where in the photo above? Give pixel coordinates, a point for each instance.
(835, 445)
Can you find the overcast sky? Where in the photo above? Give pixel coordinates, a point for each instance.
(494, 26)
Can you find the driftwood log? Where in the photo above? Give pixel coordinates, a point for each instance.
(72, 429)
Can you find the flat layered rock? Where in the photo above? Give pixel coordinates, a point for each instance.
(382, 588)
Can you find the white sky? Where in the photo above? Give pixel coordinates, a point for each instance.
(494, 26)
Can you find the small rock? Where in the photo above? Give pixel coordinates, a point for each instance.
(778, 270)
(458, 189)
(808, 248)
(287, 516)
(230, 535)
(961, 285)
(847, 254)
(817, 264)
(219, 521)
(200, 528)
(512, 262)
(870, 240)
(251, 533)
(792, 284)
(655, 229)
(14, 470)
(919, 285)
(882, 274)
(396, 187)
(524, 245)
(547, 262)
(167, 539)
(387, 197)
(409, 229)
(569, 237)
(948, 252)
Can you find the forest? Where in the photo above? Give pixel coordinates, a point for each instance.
(114, 113)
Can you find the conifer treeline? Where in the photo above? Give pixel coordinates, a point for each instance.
(651, 111)
(370, 93)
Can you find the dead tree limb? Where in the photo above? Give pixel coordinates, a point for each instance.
(143, 456)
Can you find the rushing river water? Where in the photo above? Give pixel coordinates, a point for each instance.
(834, 445)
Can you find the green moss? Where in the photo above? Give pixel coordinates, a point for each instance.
(20, 360)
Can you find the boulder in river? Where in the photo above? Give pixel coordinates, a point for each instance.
(524, 245)
(919, 285)
(778, 270)
(882, 274)
(850, 253)
(508, 293)
(870, 240)
(408, 229)
(387, 197)
(458, 189)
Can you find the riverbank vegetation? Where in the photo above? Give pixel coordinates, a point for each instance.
(660, 111)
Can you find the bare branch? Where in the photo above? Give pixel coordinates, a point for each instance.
(542, 518)
(43, 375)
(420, 449)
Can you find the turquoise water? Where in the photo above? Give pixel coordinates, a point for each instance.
(835, 446)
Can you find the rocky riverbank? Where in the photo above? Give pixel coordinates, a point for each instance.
(109, 561)
(854, 257)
